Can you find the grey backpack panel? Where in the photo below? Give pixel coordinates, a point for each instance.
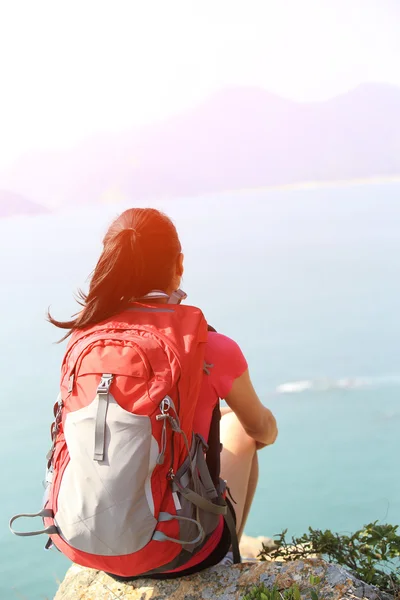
(94, 514)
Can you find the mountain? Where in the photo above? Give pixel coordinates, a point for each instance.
(14, 204)
(239, 138)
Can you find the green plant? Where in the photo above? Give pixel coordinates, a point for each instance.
(315, 583)
(260, 592)
(372, 553)
(293, 593)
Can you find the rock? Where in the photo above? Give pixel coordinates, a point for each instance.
(220, 583)
(251, 546)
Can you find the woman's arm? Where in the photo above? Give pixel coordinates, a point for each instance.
(257, 420)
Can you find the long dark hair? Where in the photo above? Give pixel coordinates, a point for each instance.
(140, 252)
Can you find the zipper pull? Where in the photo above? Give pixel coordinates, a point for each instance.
(164, 408)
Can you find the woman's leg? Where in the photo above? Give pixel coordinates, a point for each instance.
(239, 465)
(251, 490)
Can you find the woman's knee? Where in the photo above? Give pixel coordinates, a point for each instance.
(233, 435)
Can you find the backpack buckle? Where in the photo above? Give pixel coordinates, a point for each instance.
(105, 383)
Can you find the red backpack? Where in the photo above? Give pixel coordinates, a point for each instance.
(128, 489)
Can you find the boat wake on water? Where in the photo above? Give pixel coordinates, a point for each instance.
(345, 383)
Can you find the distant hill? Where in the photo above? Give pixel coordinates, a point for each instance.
(238, 138)
(13, 204)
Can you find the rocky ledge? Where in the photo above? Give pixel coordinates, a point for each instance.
(223, 583)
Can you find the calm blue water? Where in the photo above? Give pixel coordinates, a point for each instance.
(307, 282)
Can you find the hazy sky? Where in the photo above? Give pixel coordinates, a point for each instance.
(72, 67)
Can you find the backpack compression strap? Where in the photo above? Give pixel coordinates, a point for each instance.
(45, 512)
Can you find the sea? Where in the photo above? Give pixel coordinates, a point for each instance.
(306, 280)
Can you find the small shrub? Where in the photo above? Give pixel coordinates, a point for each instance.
(372, 553)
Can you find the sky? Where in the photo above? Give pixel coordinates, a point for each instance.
(70, 68)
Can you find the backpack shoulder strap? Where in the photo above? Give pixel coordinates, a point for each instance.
(213, 456)
(213, 459)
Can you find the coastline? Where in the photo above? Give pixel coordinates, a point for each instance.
(284, 187)
(310, 185)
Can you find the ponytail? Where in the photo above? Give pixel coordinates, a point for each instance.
(130, 265)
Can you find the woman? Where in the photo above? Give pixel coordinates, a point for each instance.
(142, 253)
